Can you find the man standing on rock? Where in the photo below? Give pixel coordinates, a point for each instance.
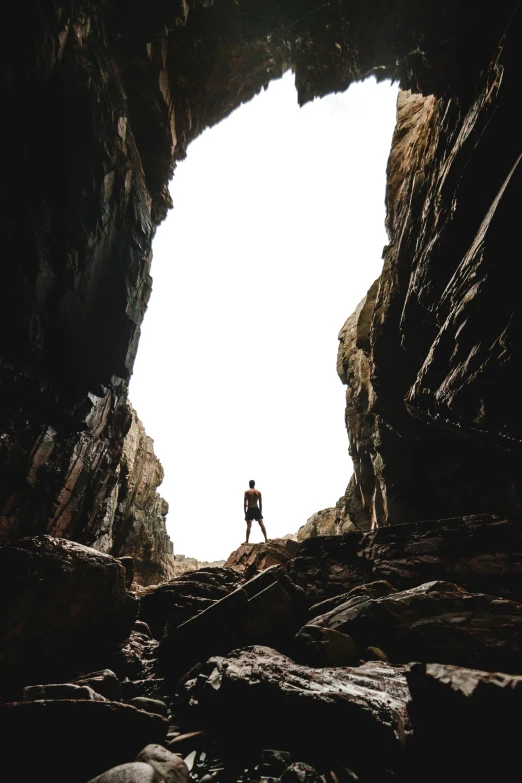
(253, 509)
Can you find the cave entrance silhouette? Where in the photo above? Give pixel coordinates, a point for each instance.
(276, 235)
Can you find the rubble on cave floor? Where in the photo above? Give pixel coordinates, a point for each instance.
(387, 680)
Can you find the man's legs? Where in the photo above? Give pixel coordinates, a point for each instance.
(249, 525)
(262, 526)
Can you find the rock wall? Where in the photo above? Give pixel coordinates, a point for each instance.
(429, 355)
(135, 522)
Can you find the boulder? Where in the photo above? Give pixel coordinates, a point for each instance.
(466, 723)
(88, 737)
(168, 766)
(61, 606)
(175, 602)
(256, 698)
(248, 559)
(437, 621)
(268, 609)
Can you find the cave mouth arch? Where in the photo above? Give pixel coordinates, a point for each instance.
(119, 91)
(276, 235)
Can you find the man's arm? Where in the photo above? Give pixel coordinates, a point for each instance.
(245, 504)
(260, 502)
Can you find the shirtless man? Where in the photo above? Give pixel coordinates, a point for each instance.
(253, 509)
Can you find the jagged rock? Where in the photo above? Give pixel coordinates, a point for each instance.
(482, 553)
(248, 559)
(322, 716)
(60, 691)
(175, 602)
(135, 524)
(103, 682)
(93, 737)
(465, 721)
(428, 377)
(437, 621)
(62, 606)
(135, 659)
(268, 609)
(363, 592)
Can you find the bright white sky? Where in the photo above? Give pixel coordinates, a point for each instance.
(276, 235)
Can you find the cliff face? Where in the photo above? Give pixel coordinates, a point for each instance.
(135, 521)
(429, 356)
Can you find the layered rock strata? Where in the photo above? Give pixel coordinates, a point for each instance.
(135, 522)
(429, 355)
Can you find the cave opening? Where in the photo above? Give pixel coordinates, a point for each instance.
(276, 235)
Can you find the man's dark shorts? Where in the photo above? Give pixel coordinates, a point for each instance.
(253, 512)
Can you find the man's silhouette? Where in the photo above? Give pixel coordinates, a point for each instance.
(253, 509)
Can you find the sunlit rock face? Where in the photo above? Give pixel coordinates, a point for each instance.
(135, 523)
(430, 355)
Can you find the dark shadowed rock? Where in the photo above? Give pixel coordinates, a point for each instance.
(156, 706)
(268, 609)
(104, 682)
(248, 559)
(257, 698)
(482, 553)
(318, 647)
(135, 658)
(437, 621)
(175, 602)
(62, 604)
(299, 772)
(93, 736)
(272, 763)
(60, 691)
(362, 593)
(466, 722)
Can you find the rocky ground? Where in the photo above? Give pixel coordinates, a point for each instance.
(388, 655)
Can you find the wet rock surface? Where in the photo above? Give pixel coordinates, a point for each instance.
(436, 621)
(311, 712)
